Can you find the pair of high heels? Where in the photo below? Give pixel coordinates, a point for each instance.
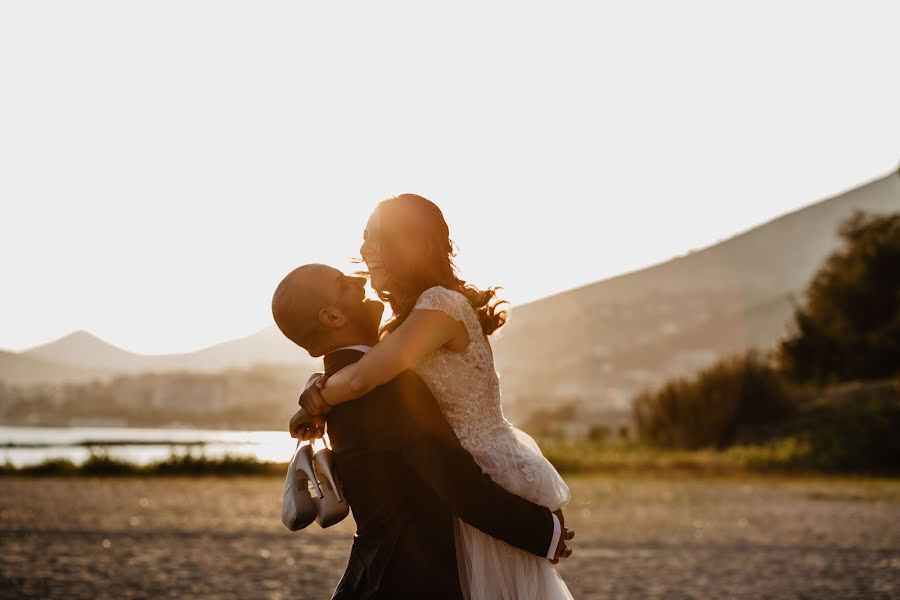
(329, 505)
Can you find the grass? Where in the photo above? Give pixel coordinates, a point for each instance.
(793, 455)
(569, 459)
(99, 464)
(606, 458)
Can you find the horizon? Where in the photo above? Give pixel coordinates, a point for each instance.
(157, 193)
(536, 300)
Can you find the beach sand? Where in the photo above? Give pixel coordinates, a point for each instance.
(637, 537)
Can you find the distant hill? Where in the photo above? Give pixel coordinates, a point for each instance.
(600, 344)
(260, 397)
(84, 350)
(594, 346)
(81, 356)
(18, 369)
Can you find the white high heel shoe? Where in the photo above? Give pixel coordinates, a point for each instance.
(299, 509)
(332, 506)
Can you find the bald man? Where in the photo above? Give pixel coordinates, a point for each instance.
(403, 469)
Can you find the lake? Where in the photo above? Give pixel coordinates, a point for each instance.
(29, 445)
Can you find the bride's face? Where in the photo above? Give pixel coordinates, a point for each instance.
(389, 248)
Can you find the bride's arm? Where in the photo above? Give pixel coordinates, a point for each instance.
(423, 331)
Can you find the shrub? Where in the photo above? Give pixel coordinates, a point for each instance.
(53, 466)
(188, 464)
(849, 325)
(102, 464)
(861, 436)
(707, 410)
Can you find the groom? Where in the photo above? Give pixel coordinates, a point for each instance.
(404, 472)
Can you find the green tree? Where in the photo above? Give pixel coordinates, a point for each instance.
(849, 326)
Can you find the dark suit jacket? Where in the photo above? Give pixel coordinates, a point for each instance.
(405, 476)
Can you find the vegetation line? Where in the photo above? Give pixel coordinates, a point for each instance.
(176, 464)
(786, 456)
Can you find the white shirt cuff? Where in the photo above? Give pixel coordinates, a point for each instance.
(554, 541)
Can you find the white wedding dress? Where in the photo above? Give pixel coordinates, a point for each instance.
(467, 388)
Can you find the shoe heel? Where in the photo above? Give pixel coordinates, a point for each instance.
(305, 464)
(324, 460)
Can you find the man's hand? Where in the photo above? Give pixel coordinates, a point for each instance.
(311, 399)
(562, 550)
(306, 427)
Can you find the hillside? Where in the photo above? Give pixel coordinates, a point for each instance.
(85, 350)
(18, 369)
(599, 344)
(262, 397)
(79, 352)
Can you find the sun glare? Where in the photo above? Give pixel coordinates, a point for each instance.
(278, 446)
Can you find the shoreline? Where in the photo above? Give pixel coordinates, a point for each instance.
(101, 466)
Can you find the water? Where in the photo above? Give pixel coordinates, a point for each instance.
(29, 445)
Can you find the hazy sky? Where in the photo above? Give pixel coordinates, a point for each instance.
(163, 164)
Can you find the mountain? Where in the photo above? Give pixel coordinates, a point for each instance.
(595, 346)
(266, 346)
(81, 356)
(84, 350)
(600, 344)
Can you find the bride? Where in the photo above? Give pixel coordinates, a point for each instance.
(440, 329)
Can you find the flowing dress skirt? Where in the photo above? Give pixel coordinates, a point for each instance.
(489, 568)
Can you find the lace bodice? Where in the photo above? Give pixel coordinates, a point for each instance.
(465, 384)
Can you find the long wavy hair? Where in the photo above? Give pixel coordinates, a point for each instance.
(404, 289)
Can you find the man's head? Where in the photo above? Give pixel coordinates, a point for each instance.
(320, 309)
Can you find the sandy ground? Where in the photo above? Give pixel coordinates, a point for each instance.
(636, 538)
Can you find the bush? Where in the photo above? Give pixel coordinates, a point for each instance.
(861, 436)
(188, 464)
(53, 466)
(100, 464)
(849, 326)
(707, 410)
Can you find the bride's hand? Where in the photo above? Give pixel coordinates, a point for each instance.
(311, 399)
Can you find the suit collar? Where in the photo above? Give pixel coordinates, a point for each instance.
(360, 347)
(340, 358)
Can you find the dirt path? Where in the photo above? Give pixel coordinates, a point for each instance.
(636, 538)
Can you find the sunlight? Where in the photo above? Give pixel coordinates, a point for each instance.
(277, 446)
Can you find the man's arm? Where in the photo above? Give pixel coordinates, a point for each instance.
(432, 449)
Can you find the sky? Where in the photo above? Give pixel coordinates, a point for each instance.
(164, 164)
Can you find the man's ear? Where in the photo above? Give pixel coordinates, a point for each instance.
(332, 317)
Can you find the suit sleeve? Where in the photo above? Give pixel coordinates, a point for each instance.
(432, 449)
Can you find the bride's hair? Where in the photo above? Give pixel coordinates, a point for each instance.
(405, 288)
